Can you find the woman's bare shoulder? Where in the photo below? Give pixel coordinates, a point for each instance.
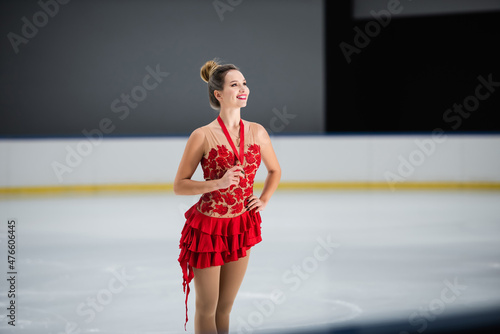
(255, 126)
(259, 132)
(203, 129)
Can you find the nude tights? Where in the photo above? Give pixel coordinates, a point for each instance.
(215, 290)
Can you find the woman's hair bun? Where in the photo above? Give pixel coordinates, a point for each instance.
(207, 69)
(214, 73)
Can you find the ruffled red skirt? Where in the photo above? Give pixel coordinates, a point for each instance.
(209, 241)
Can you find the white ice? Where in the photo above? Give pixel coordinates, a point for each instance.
(389, 256)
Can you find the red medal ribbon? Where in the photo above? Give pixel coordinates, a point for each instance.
(242, 139)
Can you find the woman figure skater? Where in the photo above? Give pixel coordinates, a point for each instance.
(225, 223)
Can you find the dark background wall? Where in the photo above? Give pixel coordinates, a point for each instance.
(66, 77)
(362, 8)
(406, 77)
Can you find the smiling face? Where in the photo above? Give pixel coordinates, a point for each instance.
(235, 91)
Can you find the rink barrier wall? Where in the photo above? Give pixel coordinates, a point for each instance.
(308, 162)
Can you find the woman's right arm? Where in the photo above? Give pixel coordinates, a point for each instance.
(183, 185)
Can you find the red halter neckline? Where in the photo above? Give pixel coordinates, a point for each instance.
(239, 156)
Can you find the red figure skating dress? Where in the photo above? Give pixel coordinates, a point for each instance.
(218, 228)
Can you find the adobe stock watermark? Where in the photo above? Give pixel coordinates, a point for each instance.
(279, 121)
(293, 279)
(40, 19)
(454, 117)
(222, 6)
(422, 317)
(120, 106)
(371, 30)
(98, 303)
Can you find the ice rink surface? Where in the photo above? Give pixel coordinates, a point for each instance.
(107, 262)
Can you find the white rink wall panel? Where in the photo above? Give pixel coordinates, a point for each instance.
(154, 160)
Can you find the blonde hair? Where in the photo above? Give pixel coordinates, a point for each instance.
(214, 74)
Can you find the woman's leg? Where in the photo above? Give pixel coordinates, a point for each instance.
(206, 285)
(231, 276)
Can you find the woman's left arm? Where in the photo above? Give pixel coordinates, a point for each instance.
(273, 171)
